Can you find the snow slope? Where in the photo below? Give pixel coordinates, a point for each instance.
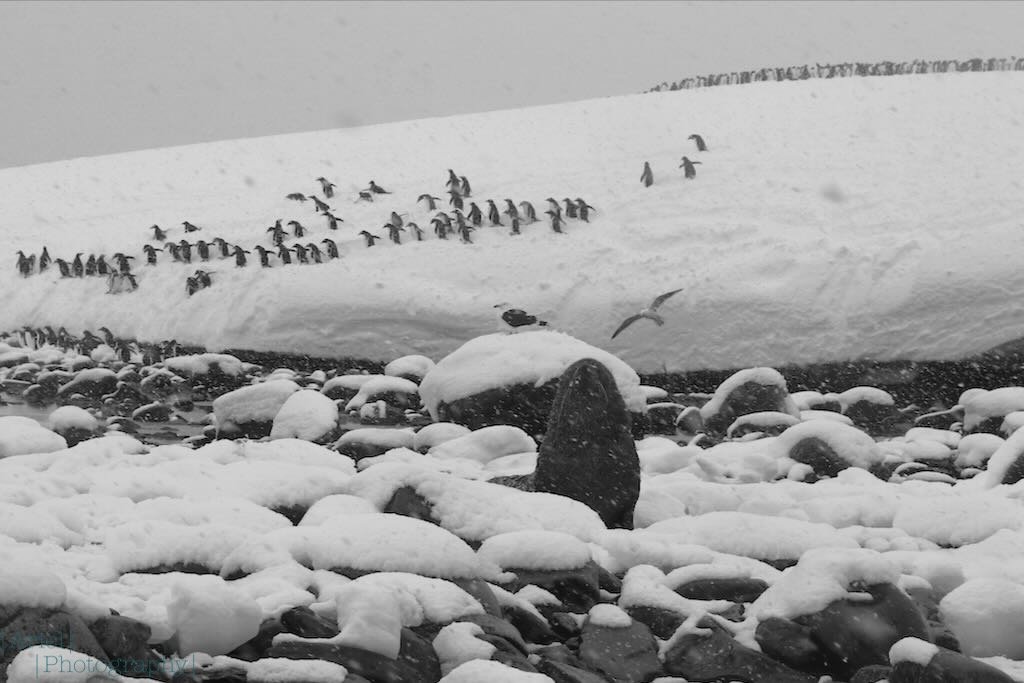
(830, 220)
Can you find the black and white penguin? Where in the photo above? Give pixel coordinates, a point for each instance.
(151, 253)
(493, 215)
(528, 212)
(77, 267)
(554, 205)
(278, 233)
(394, 232)
(464, 231)
(454, 199)
(431, 201)
(62, 265)
(90, 265)
(416, 230)
(440, 229)
(647, 177)
(24, 264)
(570, 208)
(332, 220)
(701, 145)
(225, 248)
(464, 187)
(203, 249)
(510, 209)
(44, 260)
(285, 254)
(123, 266)
(396, 220)
(101, 266)
(556, 221)
(327, 187)
(239, 255)
(158, 234)
(315, 253)
(297, 196)
(370, 238)
(191, 286)
(515, 225)
(453, 180)
(330, 247)
(583, 210)
(516, 318)
(189, 227)
(689, 168)
(297, 228)
(300, 253)
(173, 248)
(185, 249)
(475, 216)
(321, 207)
(377, 189)
(264, 255)
(203, 278)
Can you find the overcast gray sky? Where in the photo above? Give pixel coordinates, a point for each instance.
(87, 78)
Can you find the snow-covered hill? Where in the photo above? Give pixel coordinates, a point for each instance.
(830, 220)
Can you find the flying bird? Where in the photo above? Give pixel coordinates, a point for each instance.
(648, 313)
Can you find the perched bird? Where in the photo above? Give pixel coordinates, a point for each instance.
(515, 317)
(649, 313)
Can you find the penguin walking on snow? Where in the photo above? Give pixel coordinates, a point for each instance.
(454, 199)
(278, 233)
(321, 207)
(285, 254)
(77, 267)
(493, 215)
(416, 230)
(464, 231)
(370, 238)
(330, 247)
(203, 249)
(528, 211)
(264, 255)
(186, 251)
(431, 201)
(90, 265)
(396, 220)
(332, 220)
(62, 265)
(327, 186)
(173, 249)
(701, 145)
(393, 232)
(189, 227)
(224, 247)
(158, 234)
(556, 221)
(440, 229)
(464, 186)
(453, 180)
(377, 189)
(689, 168)
(510, 209)
(647, 177)
(515, 226)
(315, 253)
(151, 253)
(101, 266)
(44, 260)
(301, 254)
(475, 216)
(583, 210)
(570, 208)
(239, 255)
(297, 228)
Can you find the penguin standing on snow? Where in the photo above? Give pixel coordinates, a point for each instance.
(297, 228)
(300, 253)
(191, 286)
(239, 255)
(330, 247)
(453, 180)
(224, 247)
(315, 253)
(528, 211)
(370, 238)
(321, 207)
(24, 265)
(174, 250)
(150, 254)
(493, 215)
(123, 266)
(264, 255)
(583, 209)
(396, 220)
(570, 208)
(332, 220)
(510, 209)
(44, 260)
(285, 254)
(278, 233)
(647, 177)
(393, 232)
(464, 231)
(62, 265)
(701, 145)
(556, 221)
(101, 266)
(689, 168)
(327, 186)
(431, 201)
(186, 251)
(416, 230)
(158, 234)
(475, 216)
(439, 228)
(203, 249)
(464, 186)
(515, 225)
(77, 267)
(90, 265)
(454, 199)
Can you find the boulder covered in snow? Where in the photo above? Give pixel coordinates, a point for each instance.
(307, 415)
(251, 410)
(74, 424)
(753, 390)
(20, 435)
(510, 379)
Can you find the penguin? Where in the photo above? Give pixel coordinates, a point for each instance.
(332, 220)
(464, 231)
(649, 313)
(510, 209)
(330, 247)
(583, 209)
(77, 267)
(454, 199)
(203, 278)
(122, 262)
(475, 216)
(185, 249)
(445, 219)
(297, 228)
(315, 253)
(440, 229)
(430, 200)
(554, 205)
(23, 264)
(393, 232)
(647, 177)
(300, 253)
(453, 180)
(396, 220)
(516, 318)
(108, 337)
(158, 234)
(464, 186)
(203, 249)
(701, 145)
(191, 286)
(133, 283)
(173, 248)
(264, 255)
(688, 168)
(284, 254)
(515, 225)
(365, 196)
(297, 196)
(377, 189)
(416, 230)
(239, 255)
(460, 220)
(101, 266)
(150, 254)
(528, 211)
(224, 247)
(492, 213)
(278, 234)
(327, 187)
(370, 238)
(44, 260)
(191, 228)
(90, 265)
(321, 207)
(556, 221)
(62, 265)
(570, 208)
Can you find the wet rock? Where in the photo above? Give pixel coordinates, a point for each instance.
(24, 627)
(529, 625)
(92, 383)
(661, 417)
(944, 666)
(790, 643)
(153, 412)
(872, 410)
(876, 673)
(480, 590)
(256, 648)
(628, 654)
(561, 672)
(125, 641)
(662, 622)
(717, 657)
(734, 589)
(748, 391)
(938, 631)
(519, 405)
(577, 589)
(302, 621)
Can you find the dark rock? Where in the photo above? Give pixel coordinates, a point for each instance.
(588, 453)
(381, 413)
(790, 643)
(529, 625)
(855, 634)
(661, 417)
(304, 622)
(256, 647)
(24, 627)
(607, 581)
(875, 418)
(120, 636)
(559, 653)
(948, 667)
(749, 397)
(92, 383)
(294, 513)
(153, 412)
(939, 633)
(735, 589)
(519, 405)
(662, 622)
(38, 395)
(717, 657)
(561, 672)
(577, 589)
(513, 659)
(480, 590)
(628, 654)
(416, 663)
(496, 626)
(872, 674)
(564, 625)
(405, 501)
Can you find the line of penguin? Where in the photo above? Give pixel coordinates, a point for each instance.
(124, 347)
